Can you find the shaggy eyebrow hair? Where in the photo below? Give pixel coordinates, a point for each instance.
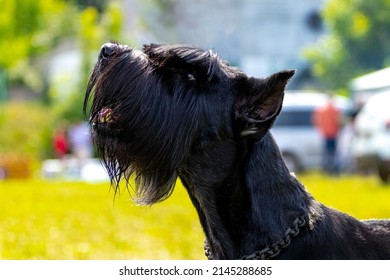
(161, 56)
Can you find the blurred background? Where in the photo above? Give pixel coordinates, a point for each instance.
(54, 195)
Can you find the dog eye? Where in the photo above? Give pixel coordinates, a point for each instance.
(190, 77)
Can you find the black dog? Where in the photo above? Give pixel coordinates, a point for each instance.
(175, 111)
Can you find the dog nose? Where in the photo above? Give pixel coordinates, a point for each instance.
(107, 50)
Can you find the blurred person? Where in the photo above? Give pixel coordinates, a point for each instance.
(61, 141)
(80, 140)
(327, 119)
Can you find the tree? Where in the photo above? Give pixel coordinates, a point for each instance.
(358, 41)
(29, 28)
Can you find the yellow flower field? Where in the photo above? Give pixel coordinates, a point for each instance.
(68, 220)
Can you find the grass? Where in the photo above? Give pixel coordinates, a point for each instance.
(361, 197)
(68, 220)
(64, 220)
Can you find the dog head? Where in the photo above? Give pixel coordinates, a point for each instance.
(152, 109)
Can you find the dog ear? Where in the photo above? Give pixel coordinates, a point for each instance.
(260, 102)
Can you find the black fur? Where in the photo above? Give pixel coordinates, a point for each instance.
(176, 111)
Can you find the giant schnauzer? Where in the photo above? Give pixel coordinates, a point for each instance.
(172, 111)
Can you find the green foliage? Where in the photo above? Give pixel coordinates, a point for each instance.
(358, 41)
(69, 220)
(29, 28)
(26, 129)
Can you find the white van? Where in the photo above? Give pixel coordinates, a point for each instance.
(298, 140)
(371, 143)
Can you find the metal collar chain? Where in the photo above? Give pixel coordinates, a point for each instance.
(272, 251)
(207, 251)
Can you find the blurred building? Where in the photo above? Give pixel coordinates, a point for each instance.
(261, 37)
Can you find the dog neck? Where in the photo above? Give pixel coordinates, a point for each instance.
(248, 199)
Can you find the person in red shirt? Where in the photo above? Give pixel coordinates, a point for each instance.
(60, 142)
(327, 120)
